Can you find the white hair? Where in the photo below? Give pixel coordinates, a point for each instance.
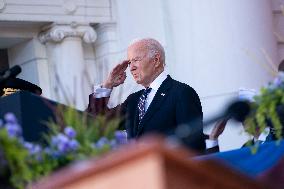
(153, 47)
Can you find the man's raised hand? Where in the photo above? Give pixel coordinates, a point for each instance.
(117, 76)
(218, 129)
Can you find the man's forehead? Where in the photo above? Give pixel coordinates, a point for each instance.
(136, 50)
(138, 46)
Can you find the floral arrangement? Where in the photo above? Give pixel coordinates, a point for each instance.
(72, 137)
(268, 109)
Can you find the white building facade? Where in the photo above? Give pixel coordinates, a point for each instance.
(216, 46)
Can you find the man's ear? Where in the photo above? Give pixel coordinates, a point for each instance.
(157, 60)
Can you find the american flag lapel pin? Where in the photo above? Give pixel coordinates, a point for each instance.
(163, 94)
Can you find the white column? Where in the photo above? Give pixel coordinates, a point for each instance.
(31, 56)
(66, 59)
(233, 44)
(220, 46)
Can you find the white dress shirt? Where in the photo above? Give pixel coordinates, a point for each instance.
(262, 137)
(211, 143)
(155, 86)
(100, 92)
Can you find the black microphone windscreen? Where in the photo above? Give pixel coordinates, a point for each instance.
(15, 70)
(238, 110)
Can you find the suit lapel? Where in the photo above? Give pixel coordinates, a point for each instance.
(159, 97)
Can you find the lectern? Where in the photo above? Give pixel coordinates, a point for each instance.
(149, 164)
(32, 112)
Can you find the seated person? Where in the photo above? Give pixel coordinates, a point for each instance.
(268, 134)
(212, 139)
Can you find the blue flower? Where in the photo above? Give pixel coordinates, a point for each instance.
(120, 137)
(13, 129)
(10, 118)
(62, 138)
(277, 82)
(63, 147)
(61, 142)
(28, 145)
(70, 132)
(1, 123)
(102, 142)
(34, 150)
(73, 145)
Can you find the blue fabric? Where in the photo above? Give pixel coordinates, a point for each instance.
(268, 154)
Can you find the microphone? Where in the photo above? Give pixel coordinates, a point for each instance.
(189, 133)
(12, 72)
(237, 110)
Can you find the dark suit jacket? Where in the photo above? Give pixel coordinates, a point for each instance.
(175, 103)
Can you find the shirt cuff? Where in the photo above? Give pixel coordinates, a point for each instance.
(100, 92)
(211, 143)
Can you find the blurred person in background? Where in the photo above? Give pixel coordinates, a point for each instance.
(212, 143)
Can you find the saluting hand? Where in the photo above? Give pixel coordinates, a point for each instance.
(117, 76)
(218, 129)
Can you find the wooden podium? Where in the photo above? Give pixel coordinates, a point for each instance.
(148, 164)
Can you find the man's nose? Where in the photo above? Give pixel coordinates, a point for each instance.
(132, 66)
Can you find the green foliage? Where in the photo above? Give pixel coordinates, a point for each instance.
(16, 157)
(87, 137)
(265, 108)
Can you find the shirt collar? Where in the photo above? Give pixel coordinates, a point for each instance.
(264, 134)
(158, 81)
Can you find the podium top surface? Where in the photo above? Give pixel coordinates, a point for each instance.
(170, 160)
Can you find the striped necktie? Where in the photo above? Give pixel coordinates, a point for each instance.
(142, 103)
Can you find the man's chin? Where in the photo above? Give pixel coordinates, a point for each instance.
(141, 83)
(138, 82)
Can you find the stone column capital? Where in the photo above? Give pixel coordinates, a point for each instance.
(57, 32)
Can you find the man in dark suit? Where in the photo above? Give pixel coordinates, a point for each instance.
(163, 105)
